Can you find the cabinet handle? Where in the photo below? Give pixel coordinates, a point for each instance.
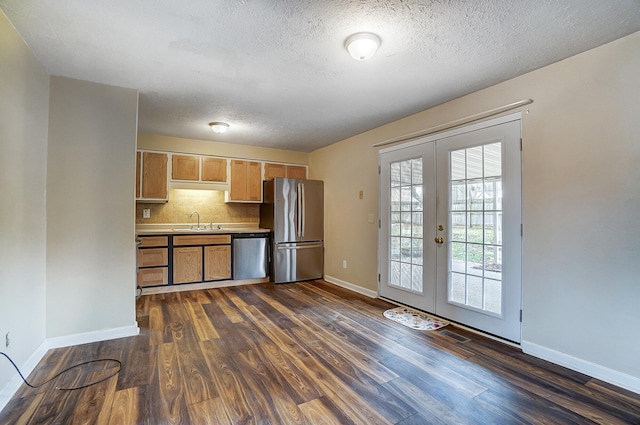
(439, 240)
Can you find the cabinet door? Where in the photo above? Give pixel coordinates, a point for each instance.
(272, 171)
(185, 167)
(254, 181)
(154, 175)
(296, 172)
(246, 181)
(238, 184)
(187, 264)
(217, 262)
(214, 169)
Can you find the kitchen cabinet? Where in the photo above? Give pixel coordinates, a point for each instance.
(153, 260)
(214, 169)
(246, 181)
(152, 178)
(201, 258)
(185, 167)
(296, 172)
(187, 264)
(272, 170)
(217, 262)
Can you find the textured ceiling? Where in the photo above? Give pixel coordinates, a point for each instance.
(277, 71)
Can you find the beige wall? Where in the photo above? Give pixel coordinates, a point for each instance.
(90, 207)
(581, 197)
(24, 111)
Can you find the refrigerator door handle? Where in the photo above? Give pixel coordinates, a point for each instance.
(298, 212)
(303, 202)
(311, 246)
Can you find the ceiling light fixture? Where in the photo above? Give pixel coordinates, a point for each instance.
(362, 45)
(218, 127)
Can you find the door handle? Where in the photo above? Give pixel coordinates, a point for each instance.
(439, 240)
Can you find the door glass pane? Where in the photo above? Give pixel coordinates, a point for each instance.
(406, 225)
(475, 217)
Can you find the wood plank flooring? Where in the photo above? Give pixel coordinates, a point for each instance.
(306, 353)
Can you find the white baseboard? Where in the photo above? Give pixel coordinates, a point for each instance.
(198, 286)
(597, 371)
(64, 341)
(355, 288)
(14, 383)
(95, 336)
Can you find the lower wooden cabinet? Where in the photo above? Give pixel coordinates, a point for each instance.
(217, 262)
(153, 277)
(153, 260)
(187, 264)
(201, 258)
(166, 260)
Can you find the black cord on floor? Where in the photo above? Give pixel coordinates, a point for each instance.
(119, 364)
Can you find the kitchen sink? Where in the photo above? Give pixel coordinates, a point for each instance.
(201, 230)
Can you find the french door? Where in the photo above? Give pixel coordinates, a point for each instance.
(450, 240)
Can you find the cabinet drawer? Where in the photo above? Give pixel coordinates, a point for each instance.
(155, 276)
(153, 257)
(202, 240)
(146, 241)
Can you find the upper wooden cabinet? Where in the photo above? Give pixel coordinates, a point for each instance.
(271, 171)
(246, 181)
(185, 167)
(241, 180)
(152, 176)
(282, 170)
(214, 169)
(296, 172)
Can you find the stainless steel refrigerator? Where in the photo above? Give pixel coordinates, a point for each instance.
(294, 211)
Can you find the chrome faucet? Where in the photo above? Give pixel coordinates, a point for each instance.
(196, 213)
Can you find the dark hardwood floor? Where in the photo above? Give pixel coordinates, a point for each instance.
(306, 353)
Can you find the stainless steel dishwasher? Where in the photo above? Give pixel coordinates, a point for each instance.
(250, 255)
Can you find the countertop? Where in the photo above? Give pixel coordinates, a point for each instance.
(180, 229)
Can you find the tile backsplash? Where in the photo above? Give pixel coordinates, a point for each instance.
(209, 204)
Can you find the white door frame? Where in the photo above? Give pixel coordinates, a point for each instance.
(382, 262)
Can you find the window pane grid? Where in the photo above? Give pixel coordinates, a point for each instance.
(475, 217)
(406, 225)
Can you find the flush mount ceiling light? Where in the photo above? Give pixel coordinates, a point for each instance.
(218, 127)
(362, 45)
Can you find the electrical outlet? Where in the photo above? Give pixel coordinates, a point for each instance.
(146, 213)
(344, 264)
(7, 340)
